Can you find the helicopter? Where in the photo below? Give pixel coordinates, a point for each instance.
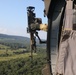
(61, 32)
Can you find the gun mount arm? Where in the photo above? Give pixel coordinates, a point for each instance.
(34, 24)
(41, 42)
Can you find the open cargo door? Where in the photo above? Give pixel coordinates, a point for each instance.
(61, 38)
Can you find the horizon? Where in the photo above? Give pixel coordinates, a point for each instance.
(13, 16)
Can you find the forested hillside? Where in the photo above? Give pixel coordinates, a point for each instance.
(22, 66)
(15, 56)
(14, 42)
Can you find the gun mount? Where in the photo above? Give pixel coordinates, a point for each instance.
(33, 22)
(34, 25)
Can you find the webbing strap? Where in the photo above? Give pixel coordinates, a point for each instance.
(69, 15)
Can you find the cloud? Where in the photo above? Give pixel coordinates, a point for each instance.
(21, 32)
(3, 30)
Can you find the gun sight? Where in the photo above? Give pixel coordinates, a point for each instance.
(30, 8)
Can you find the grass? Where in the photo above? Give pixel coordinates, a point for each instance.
(8, 54)
(16, 56)
(2, 51)
(11, 55)
(3, 46)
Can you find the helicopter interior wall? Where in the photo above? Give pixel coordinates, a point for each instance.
(74, 18)
(52, 7)
(55, 14)
(74, 1)
(47, 4)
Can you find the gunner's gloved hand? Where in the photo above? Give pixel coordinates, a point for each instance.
(43, 27)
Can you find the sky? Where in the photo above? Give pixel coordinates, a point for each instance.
(13, 16)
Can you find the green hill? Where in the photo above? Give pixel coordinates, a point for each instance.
(15, 60)
(13, 39)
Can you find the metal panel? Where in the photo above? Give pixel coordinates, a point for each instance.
(47, 4)
(69, 15)
(55, 31)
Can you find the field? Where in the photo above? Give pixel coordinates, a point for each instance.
(19, 62)
(7, 54)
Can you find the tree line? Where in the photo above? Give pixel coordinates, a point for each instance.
(23, 66)
(14, 45)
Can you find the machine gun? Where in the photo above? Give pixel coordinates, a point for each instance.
(34, 24)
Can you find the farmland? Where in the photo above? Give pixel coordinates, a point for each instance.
(15, 59)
